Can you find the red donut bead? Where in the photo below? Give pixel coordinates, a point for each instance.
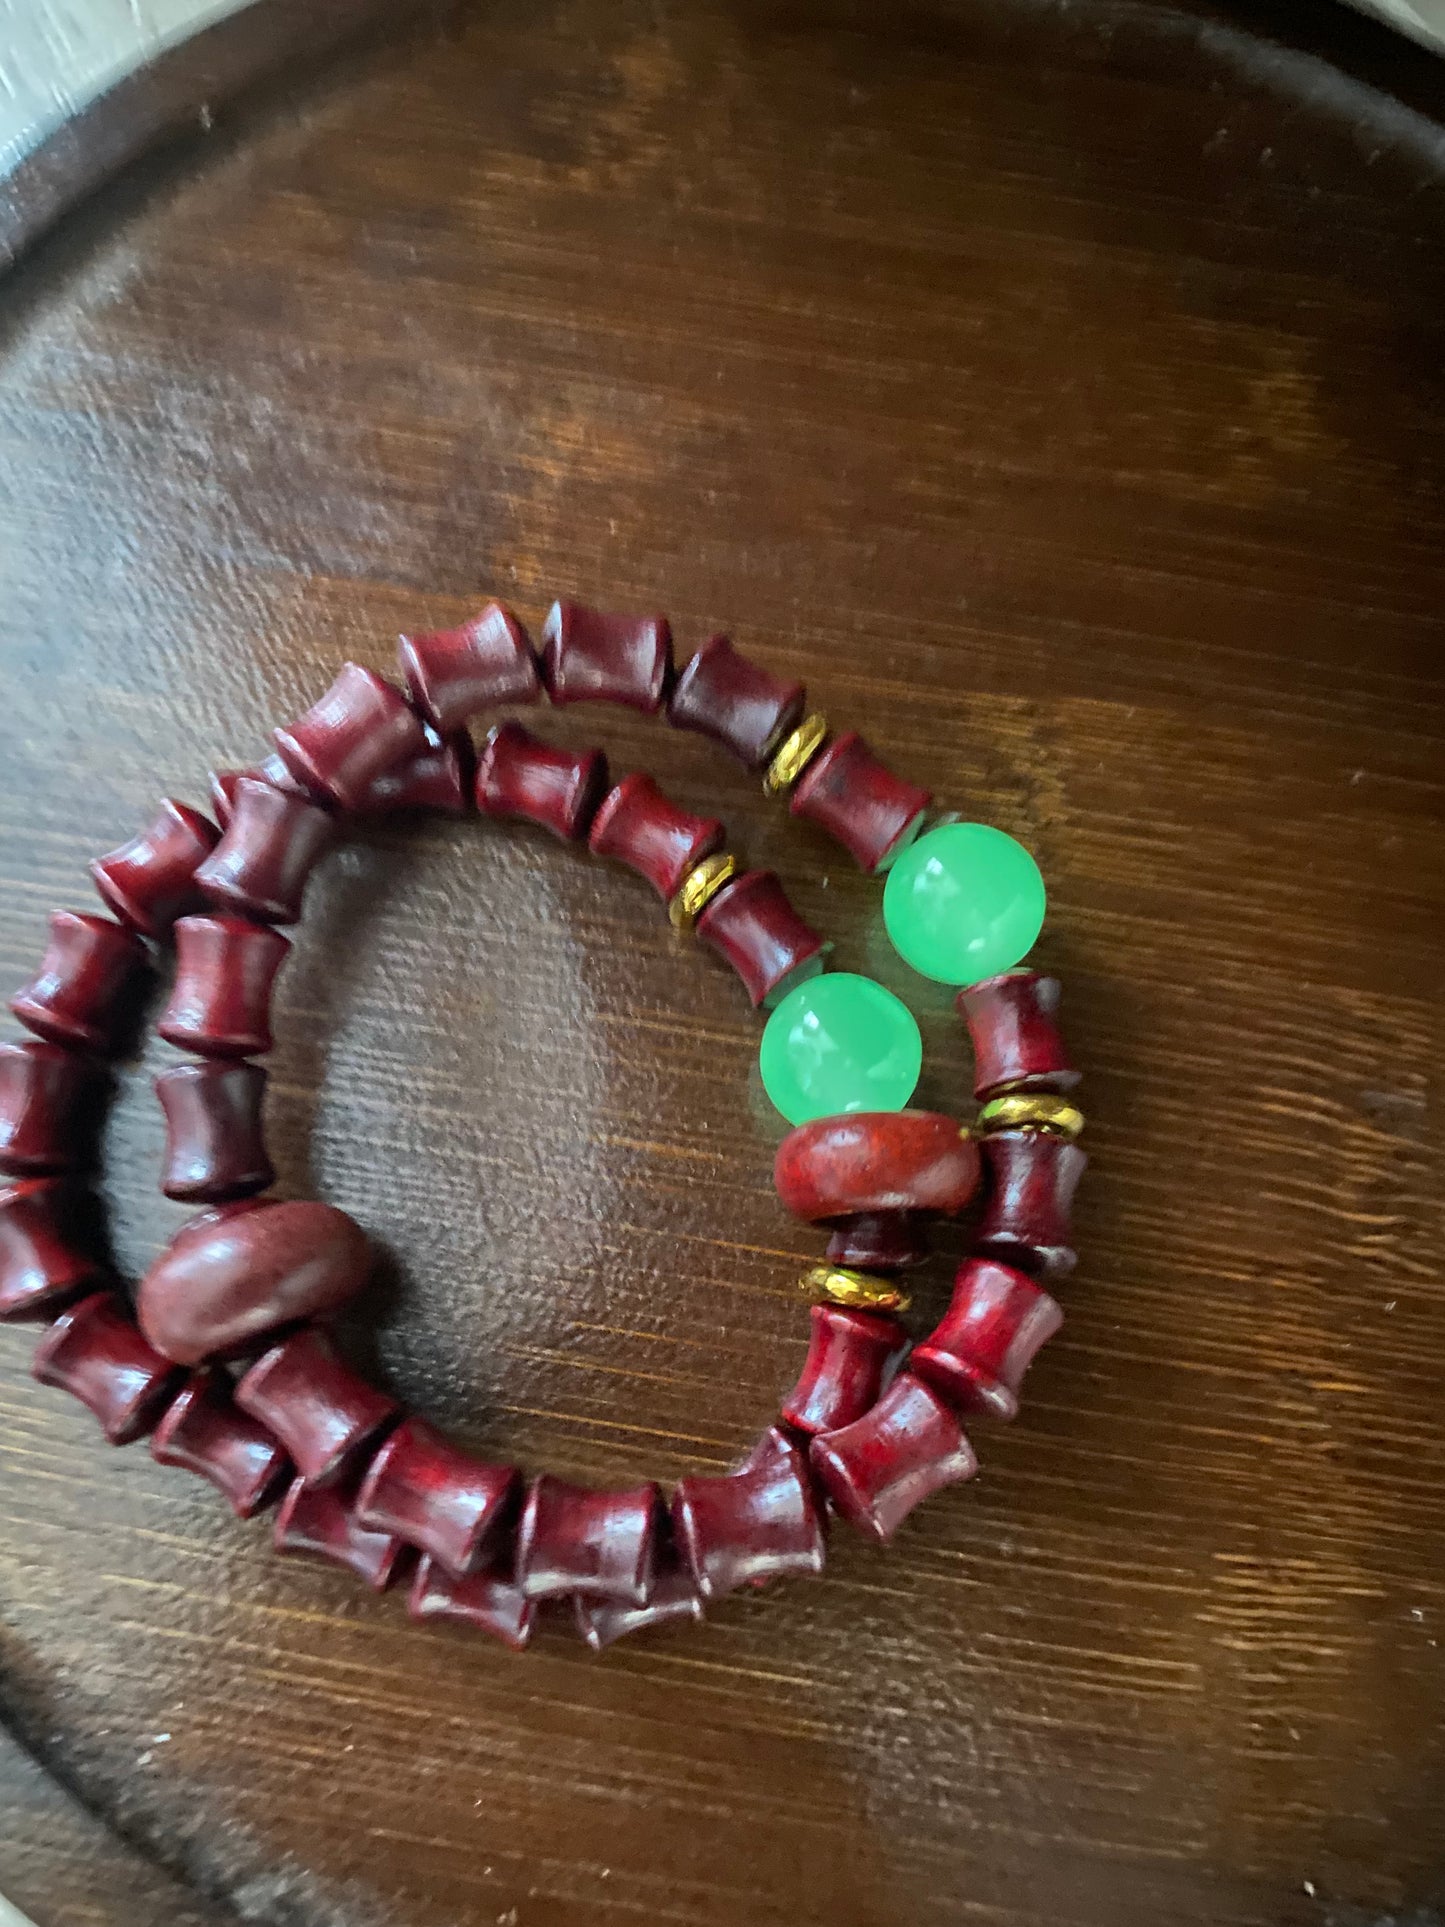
(590, 657)
(723, 695)
(78, 996)
(203, 1432)
(42, 1087)
(323, 1413)
(751, 924)
(876, 1161)
(437, 1497)
(978, 1353)
(559, 788)
(215, 1151)
(40, 1268)
(639, 826)
(94, 1352)
(1030, 1178)
(880, 1467)
(151, 880)
(1013, 1022)
(220, 1003)
(848, 1353)
(492, 1602)
(600, 1622)
(453, 673)
(758, 1523)
(261, 866)
(573, 1539)
(322, 1522)
(856, 799)
(362, 727)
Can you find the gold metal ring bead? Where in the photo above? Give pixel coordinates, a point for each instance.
(858, 1290)
(699, 887)
(794, 754)
(1031, 1111)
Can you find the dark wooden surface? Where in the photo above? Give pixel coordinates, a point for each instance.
(1059, 392)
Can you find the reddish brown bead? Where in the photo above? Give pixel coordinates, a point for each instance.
(882, 1465)
(752, 925)
(843, 1373)
(492, 1602)
(362, 727)
(437, 1497)
(203, 1432)
(272, 771)
(878, 1241)
(231, 1278)
(1030, 1178)
(639, 826)
(856, 799)
(674, 1597)
(40, 1267)
(438, 780)
(215, 1150)
(325, 1415)
(78, 996)
(1013, 1022)
(220, 1003)
(723, 695)
(572, 1539)
(876, 1161)
(151, 880)
(261, 865)
(589, 657)
(321, 1521)
(978, 1353)
(758, 1523)
(454, 673)
(94, 1352)
(42, 1090)
(559, 788)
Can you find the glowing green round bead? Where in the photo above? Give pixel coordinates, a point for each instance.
(840, 1043)
(963, 903)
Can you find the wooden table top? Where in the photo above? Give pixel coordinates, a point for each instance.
(1058, 391)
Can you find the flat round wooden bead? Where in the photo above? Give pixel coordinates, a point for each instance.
(215, 1151)
(721, 694)
(41, 1267)
(1030, 1178)
(327, 1416)
(747, 1527)
(361, 728)
(220, 1003)
(876, 1161)
(492, 1602)
(204, 1432)
(151, 880)
(230, 1278)
(272, 842)
(573, 1539)
(44, 1090)
(322, 1523)
(437, 1497)
(517, 775)
(453, 674)
(751, 924)
(95, 1353)
(1013, 1025)
(79, 995)
(638, 825)
(589, 656)
(980, 1349)
(880, 1467)
(859, 801)
(674, 1600)
(843, 1374)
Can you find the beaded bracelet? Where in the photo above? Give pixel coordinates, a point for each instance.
(225, 1362)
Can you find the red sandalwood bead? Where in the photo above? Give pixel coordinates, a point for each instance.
(841, 1378)
(639, 826)
(94, 1352)
(272, 843)
(220, 1003)
(151, 880)
(602, 1621)
(325, 1414)
(590, 657)
(1030, 1178)
(572, 1539)
(877, 1241)
(40, 1268)
(322, 1522)
(42, 1089)
(204, 1433)
(856, 799)
(758, 1523)
(273, 771)
(559, 788)
(1013, 1022)
(723, 695)
(362, 727)
(438, 779)
(453, 673)
(78, 996)
(880, 1467)
(215, 1150)
(876, 1161)
(437, 1497)
(493, 1602)
(978, 1353)
(753, 926)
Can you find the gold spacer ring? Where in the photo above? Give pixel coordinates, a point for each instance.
(858, 1290)
(795, 753)
(1031, 1111)
(699, 887)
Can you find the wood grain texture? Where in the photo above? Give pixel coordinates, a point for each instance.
(1059, 392)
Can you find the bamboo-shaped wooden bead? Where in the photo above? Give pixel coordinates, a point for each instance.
(94, 1352)
(751, 924)
(204, 1432)
(877, 1241)
(223, 785)
(761, 1522)
(78, 997)
(848, 1354)
(261, 866)
(639, 826)
(589, 656)
(220, 1003)
(42, 1268)
(517, 775)
(572, 1539)
(601, 1622)
(326, 1415)
(721, 694)
(322, 1522)
(151, 880)
(361, 728)
(977, 1354)
(215, 1148)
(438, 780)
(859, 801)
(437, 1497)
(1013, 1023)
(44, 1091)
(1030, 1178)
(880, 1467)
(453, 674)
(492, 1602)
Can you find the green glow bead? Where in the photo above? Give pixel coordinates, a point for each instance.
(963, 903)
(840, 1043)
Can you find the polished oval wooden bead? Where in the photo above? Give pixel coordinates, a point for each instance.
(220, 1003)
(589, 656)
(876, 1161)
(322, 1522)
(1030, 1178)
(1013, 1024)
(215, 1150)
(859, 801)
(639, 826)
(876, 1470)
(518, 775)
(94, 1352)
(203, 1432)
(454, 673)
(438, 780)
(490, 1601)
(272, 770)
(761, 1522)
(848, 1353)
(151, 880)
(272, 842)
(977, 1354)
(362, 727)
(44, 1091)
(78, 997)
(41, 1266)
(230, 1278)
(327, 1416)
(574, 1539)
(877, 1241)
(601, 1622)
(437, 1497)
(721, 694)
(751, 924)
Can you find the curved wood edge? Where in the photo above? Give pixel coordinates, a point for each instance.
(179, 92)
